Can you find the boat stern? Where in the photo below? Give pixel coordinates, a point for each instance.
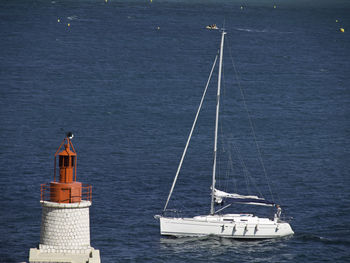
(284, 229)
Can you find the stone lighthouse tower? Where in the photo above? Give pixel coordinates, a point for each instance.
(65, 223)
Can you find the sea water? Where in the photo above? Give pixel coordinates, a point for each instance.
(126, 78)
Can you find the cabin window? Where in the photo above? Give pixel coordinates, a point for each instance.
(73, 161)
(60, 161)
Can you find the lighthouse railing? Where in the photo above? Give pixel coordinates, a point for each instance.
(86, 193)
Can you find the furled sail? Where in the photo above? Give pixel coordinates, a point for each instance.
(237, 198)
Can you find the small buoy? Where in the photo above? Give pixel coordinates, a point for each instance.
(274, 6)
(106, 1)
(151, 1)
(241, 7)
(58, 20)
(158, 27)
(68, 24)
(342, 30)
(336, 20)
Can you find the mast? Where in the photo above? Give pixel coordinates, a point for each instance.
(212, 209)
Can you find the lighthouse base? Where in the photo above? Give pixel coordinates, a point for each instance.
(65, 234)
(90, 256)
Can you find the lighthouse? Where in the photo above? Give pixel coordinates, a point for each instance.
(65, 223)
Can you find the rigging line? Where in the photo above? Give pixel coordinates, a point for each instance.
(230, 164)
(251, 126)
(248, 178)
(229, 170)
(244, 167)
(221, 117)
(225, 146)
(190, 135)
(226, 206)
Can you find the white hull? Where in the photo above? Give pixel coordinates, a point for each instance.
(244, 226)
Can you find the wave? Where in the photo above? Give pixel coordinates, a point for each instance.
(261, 31)
(325, 240)
(74, 17)
(251, 30)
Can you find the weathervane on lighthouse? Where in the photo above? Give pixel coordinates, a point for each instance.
(65, 225)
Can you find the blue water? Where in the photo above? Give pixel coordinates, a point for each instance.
(129, 92)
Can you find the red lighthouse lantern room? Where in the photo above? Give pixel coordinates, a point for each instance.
(66, 189)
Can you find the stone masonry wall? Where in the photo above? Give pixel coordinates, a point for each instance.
(65, 228)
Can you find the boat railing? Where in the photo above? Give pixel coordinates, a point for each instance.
(86, 193)
(286, 219)
(172, 213)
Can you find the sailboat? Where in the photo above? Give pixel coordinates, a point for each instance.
(240, 226)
